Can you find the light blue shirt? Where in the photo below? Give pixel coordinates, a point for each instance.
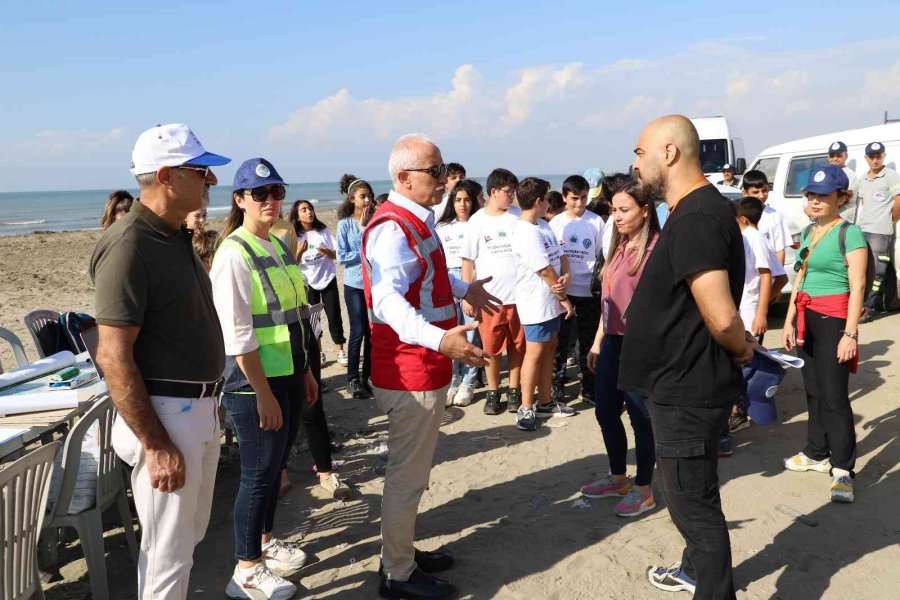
(349, 242)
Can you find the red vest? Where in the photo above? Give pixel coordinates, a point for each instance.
(397, 365)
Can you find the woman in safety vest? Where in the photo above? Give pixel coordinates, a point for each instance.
(259, 294)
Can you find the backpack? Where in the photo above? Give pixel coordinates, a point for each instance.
(70, 325)
(842, 244)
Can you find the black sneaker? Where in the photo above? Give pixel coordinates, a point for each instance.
(359, 391)
(514, 400)
(738, 421)
(492, 404)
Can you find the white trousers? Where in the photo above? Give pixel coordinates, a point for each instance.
(173, 523)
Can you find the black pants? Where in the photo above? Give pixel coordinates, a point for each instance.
(830, 430)
(881, 247)
(687, 440)
(588, 311)
(331, 298)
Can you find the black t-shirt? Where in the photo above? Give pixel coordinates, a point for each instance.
(668, 353)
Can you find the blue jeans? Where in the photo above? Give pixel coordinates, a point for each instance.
(608, 410)
(360, 335)
(463, 374)
(262, 454)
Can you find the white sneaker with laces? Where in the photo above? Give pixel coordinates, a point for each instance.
(339, 490)
(553, 409)
(282, 558)
(263, 584)
(801, 462)
(342, 358)
(464, 396)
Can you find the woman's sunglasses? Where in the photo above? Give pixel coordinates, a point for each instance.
(261, 194)
(800, 258)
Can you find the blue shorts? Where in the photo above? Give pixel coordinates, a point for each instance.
(542, 332)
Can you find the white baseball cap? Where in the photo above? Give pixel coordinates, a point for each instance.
(171, 145)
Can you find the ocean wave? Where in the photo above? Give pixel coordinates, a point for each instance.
(21, 223)
(218, 209)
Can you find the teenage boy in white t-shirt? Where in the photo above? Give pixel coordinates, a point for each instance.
(487, 252)
(541, 283)
(772, 226)
(580, 234)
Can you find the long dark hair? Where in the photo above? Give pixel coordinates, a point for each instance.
(348, 183)
(469, 187)
(235, 216)
(616, 184)
(294, 217)
(119, 204)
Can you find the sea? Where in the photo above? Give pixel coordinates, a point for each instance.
(27, 212)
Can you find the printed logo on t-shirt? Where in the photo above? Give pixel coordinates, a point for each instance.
(573, 239)
(587, 243)
(878, 196)
(501, 233)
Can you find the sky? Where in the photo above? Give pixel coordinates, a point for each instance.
(323, 88)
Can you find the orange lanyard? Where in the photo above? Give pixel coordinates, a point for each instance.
(687, 191)
(813, 242)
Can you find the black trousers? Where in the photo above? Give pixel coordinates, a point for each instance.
(830, 429)
(331, 298)
(687, 460)
(588, 312)
(881, 247)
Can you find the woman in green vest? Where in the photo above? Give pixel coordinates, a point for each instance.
(259, 295)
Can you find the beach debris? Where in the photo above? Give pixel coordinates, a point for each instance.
(342, 546)
(495, 437)
(352, 561)
(797, 515)
(581, 503)
(557, 423)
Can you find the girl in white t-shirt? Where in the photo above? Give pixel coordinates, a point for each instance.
(316, 253)
(451, 230)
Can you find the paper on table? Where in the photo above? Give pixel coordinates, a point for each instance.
(29, 399)
(8, 433)
(781, 358)
(46, 365)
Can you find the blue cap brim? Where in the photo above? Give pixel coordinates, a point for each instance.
(819, 188)
(208, 159)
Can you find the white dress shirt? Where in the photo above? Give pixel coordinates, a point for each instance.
(394, 267)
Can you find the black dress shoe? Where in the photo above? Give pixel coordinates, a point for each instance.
(420, 586)
(433, 562)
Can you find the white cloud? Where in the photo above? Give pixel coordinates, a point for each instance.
(880, 88)
(538, 85)
(61, 143)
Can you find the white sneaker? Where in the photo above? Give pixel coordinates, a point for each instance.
(801, 462)
(339, 490)
(841, 486)
(322, 358)
(464, 396)
(262, 585)
(553, 409)
(451, 394)
(282, 558)
(342, 358)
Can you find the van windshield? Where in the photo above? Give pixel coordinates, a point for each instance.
(713, 155)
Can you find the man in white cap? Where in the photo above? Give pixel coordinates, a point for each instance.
(162, 354)
(837, 156)
(728, 176)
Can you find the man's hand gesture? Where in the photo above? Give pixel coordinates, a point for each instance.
(479, 299)
(455, 345)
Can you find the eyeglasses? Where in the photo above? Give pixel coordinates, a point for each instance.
(203, 170)
(261, 194)
(511, 192)
(801, 257)
(436, 171)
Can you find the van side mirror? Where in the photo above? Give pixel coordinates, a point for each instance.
(740, 165)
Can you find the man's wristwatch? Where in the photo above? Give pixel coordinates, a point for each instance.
(852, 336)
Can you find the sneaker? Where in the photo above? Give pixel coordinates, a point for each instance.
(841, 486)
(672, 579)
(868, 315)
(513, 400)
(526, 419)
(339, 490)
(492, 403)
(553, 409)
(801, 462)
(726, 444)
(635, 502)
(451, 394)
(464, 396)
(281, 558)
(359, 391)
(342, 358)
(737, 422)
(571, 362)
(606, 488)
(263, 584)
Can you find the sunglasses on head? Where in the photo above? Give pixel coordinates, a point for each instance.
(261, 194)
(436, 171)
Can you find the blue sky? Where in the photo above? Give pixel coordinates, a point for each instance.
(324, 87)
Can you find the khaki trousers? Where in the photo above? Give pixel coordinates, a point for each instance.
(413, 422)
(173, 523)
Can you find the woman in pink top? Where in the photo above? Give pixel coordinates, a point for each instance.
(637, 228)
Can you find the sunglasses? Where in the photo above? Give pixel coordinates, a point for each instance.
(202, 170)
(801, 257)
(436, 171)
(261, 194)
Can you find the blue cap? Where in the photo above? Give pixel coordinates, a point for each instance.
(761, 380)
(825, 180)
(254, 173)
(874, 148)
(837, 148)
(593, 176)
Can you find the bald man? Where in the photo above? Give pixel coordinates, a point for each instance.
(684, 347)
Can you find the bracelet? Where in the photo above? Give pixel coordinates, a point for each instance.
(852, 336)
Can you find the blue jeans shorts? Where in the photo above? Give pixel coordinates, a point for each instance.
(542, 332)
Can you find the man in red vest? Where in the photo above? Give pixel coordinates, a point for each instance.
(409, 294)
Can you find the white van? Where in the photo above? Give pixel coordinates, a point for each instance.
(787, 167)
(720, 144)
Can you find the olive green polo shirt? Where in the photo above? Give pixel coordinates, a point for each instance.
(147, 275)
(876, 199)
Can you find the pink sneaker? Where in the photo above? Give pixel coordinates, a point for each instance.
(605, 488)
(635, 503)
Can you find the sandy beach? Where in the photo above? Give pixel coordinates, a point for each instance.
(506, 504)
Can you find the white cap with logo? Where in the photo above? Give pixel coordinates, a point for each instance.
(171, 145)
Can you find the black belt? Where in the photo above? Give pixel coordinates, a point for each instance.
(182, 389)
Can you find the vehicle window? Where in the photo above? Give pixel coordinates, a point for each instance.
(798, 173)
(713, 155)
(768, 166)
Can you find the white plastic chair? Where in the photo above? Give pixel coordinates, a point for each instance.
(35, 321)
(110, 490)
(17, 347)
(24, 485)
